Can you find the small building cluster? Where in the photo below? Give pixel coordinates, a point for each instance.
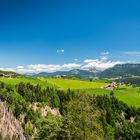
(111, 86)
(2, 75)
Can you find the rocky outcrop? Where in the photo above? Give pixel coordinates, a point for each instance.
(44, 109)
(9, 126)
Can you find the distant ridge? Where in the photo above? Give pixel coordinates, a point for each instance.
(121, 70)
(72, 73)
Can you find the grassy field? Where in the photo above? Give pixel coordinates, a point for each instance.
(14, 81)
(74, 84)
(59, 83)
(129, 95)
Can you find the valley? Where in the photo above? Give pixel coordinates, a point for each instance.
(128, 94)
(47, 108)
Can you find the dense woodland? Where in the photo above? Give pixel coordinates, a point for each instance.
(83, 117)
(135, 81)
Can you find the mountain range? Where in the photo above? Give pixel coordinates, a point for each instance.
(72, 73)
(119, 70)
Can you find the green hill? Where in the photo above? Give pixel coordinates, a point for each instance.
(121, 70)
(49, 113)
(72, 73)
(9, 74)
(60, 108)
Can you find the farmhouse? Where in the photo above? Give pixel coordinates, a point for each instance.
(111, 86)
(2, 75)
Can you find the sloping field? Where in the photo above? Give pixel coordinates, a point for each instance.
(59, 83)
(128, 95)
(14, 81)
(74, 84)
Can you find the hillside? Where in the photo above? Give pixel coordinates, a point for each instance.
(9, 74)
(75, 84)
(57, 108)
(121, 70)
(31, 111)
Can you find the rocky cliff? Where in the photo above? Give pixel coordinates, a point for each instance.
(10, 127)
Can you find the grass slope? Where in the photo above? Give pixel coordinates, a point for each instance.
(14, 81)
(129, 95)
(74, 84)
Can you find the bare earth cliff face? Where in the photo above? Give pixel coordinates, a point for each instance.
(9, 126)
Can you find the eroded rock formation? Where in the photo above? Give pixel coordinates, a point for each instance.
(9, 126)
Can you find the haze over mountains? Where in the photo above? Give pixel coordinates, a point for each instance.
(118, 70)
(72, 73)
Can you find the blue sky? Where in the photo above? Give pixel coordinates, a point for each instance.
(35, 32)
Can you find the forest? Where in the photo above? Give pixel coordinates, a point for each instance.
(81, 116)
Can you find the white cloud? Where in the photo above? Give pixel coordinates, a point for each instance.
(104, 58)
(61, 51)
(52, 67)
(7, 69)
(21, 71)
(20, 67)
(44, 67)
(90, 60)
(10, 69)
(132, 53)
(88, 64)
(1, 68)
(75, 59)
(71, 66)
(105, 53)
(99, 64)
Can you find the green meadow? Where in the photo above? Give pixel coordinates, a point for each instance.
(75, 84)
(14, 81)
(129, 95)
